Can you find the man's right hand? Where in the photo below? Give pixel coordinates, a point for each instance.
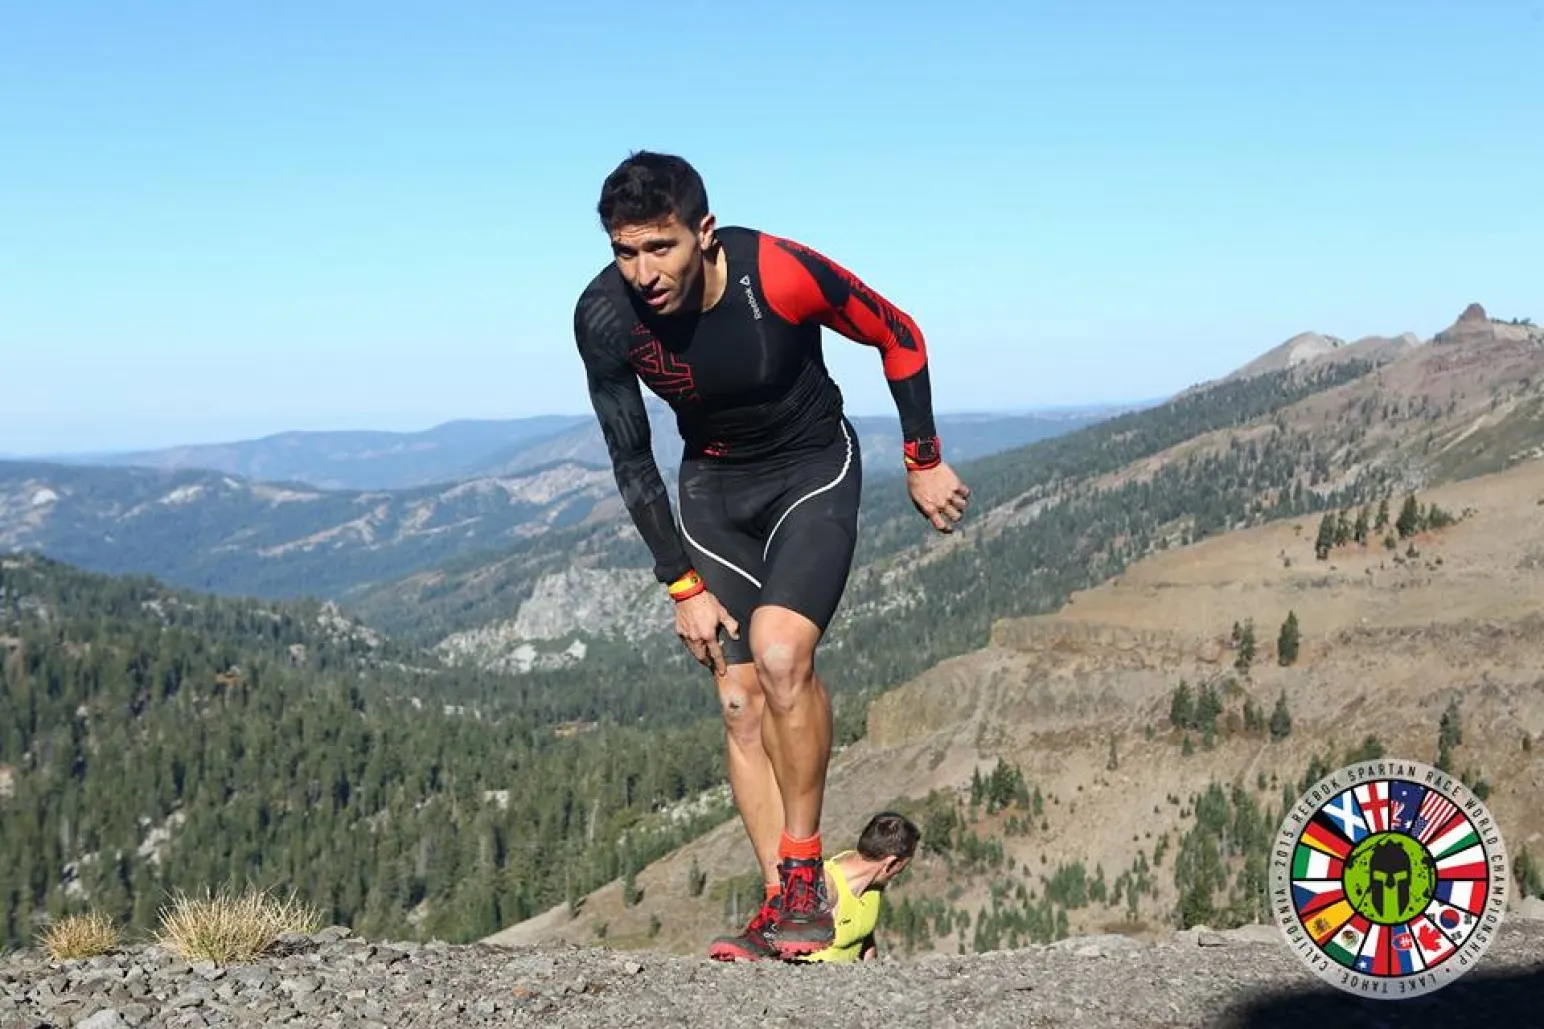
(697, 620)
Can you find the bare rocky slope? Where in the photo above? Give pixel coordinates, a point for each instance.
(1314, 347)
(1245, 978)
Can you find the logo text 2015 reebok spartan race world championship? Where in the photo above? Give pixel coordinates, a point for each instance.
(1389, 878)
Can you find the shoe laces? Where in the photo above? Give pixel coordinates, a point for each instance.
(802, 886)
(765, 919)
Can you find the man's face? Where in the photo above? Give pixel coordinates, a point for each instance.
(662, 260)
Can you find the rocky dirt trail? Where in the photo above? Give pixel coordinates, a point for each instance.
(1243, 977)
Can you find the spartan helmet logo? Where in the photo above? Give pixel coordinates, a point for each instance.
(1390, 867)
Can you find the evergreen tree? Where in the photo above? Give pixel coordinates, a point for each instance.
(1326, 538)
(1409, 518)
(1246, 647)
(1281, 719)
(1449, 735)
(1287, 640)
(1208, 707)
(1181, 707)
(1253, 721)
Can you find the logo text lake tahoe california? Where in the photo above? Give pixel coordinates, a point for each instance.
(1389, 878)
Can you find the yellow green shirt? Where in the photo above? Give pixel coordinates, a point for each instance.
(856, 917)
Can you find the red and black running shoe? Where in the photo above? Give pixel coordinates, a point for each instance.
(806, 923)
(755, 943)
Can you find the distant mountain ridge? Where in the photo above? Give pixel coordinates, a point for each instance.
(461, 450)
(1318, 349)
(363, 459)
(217, 530)
(211, 531)
(430, 551)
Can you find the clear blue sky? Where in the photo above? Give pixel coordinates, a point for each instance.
(221, 220)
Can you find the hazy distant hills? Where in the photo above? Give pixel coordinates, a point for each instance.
(222, 518)
(461, 450)
(212, 531)
(351, 460)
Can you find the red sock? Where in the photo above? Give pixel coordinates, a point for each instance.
(806, 849)
(774, 890)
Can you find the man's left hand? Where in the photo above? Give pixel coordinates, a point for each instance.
(938, 493)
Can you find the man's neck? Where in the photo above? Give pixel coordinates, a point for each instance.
(715, 276)
(858, 871)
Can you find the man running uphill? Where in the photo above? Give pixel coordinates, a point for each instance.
(724, 325)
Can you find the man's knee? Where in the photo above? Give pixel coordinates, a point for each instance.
(740, 697)
(785, 667)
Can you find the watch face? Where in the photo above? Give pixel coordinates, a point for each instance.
(927, 450)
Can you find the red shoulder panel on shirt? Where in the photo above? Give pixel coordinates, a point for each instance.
(802, 284)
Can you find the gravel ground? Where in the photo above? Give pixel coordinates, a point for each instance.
(1245, 977)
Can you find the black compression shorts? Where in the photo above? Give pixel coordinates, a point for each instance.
(778, 531)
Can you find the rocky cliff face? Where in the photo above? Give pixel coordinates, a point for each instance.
(1475, 328)
(568, 603)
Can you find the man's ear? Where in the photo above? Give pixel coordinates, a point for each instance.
(705, 237)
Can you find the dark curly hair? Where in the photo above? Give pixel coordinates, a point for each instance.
(649, 187)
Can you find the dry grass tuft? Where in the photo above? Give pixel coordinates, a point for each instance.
(80, 936)
(224, 928)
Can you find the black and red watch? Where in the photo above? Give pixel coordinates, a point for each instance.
(921, 454)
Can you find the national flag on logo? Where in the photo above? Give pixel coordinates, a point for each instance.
(1346, 944)
(1457, 836)
(1319, 835)
(1466, 864)
(1374, 800)
(1402, 950)
(1455, 924)
(1311, 895)
(1347, 817)
(1435, 812)
(1374, 955)
(1404, 803)
(1308, 863)
(1325, 923)
(1430, 941)
(1464, 894)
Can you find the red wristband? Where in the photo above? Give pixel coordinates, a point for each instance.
(922, 454)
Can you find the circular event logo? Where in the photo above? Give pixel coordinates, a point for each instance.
(1389, 878)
